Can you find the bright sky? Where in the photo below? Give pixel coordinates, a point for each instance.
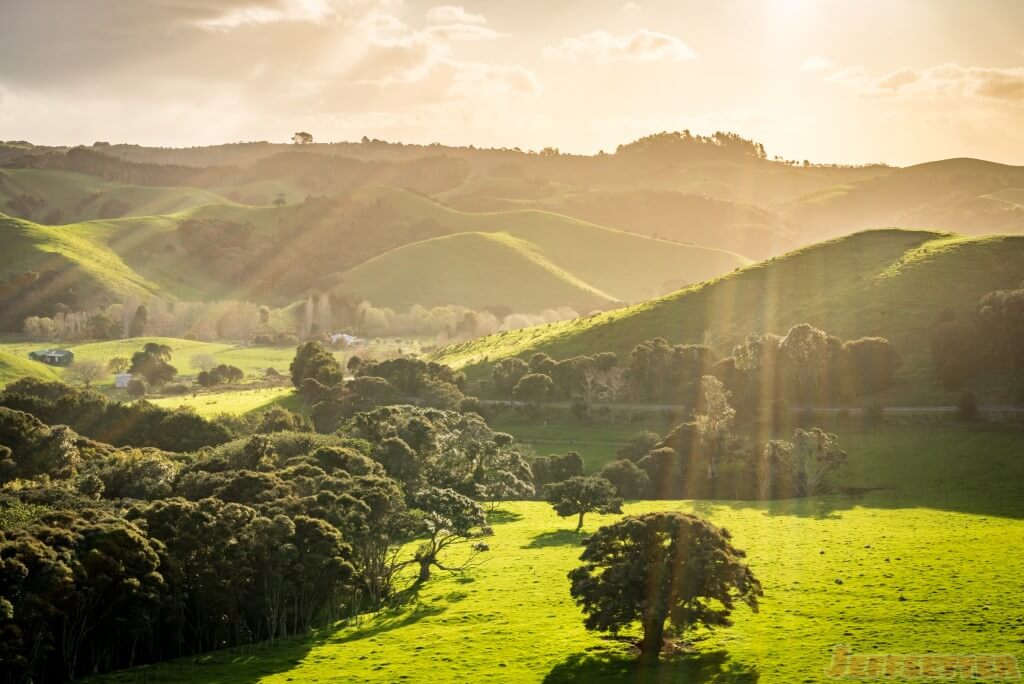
(900, 81)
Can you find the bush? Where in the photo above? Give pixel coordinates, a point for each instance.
(136, 388)
(176, 388)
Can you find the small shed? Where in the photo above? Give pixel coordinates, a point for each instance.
(53, 357)
(121, 380)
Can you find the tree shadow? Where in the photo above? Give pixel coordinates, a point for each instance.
(500, 516)
(556, 538)
(392, 618)
(617, 667)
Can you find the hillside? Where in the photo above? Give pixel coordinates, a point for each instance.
(57, 197)
(589, 255)
(13, 367)
(965, 195)
(890, 283)
(234, 251)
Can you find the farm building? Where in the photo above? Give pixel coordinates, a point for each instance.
(53, 357)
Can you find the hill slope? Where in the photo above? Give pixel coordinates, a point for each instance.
(890, 283)
(233, 251)
(14, 367)
(57, 197)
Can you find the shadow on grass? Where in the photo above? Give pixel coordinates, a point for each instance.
(500, 516)
(557, 538)
(390, 619)
(616, 667)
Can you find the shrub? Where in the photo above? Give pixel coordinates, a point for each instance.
(136, 388)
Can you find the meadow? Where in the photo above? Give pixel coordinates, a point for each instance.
(921, 560)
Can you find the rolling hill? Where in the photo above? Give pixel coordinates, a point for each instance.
(233, 251)
(891, 283)
(58, 197)
(13, 367)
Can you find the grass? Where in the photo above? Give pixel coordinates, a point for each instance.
(927, 562)
(232, 401)
(14, 367)
(81, 197)
(889, 283)
(605, 259)
(252, 360)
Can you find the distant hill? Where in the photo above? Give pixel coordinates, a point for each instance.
(277, 254)
(59, 197)
(889, 283)
(961, 195)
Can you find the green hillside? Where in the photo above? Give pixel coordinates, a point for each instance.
(890, 283)
(258, 247)
(872, 571)
(14, 367)
(58, 197)
(472, 269)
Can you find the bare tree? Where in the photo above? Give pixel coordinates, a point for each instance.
(203, 362)
(85, 372)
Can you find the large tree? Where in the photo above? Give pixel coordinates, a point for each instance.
(446, 518)
(661, 567)
(580, 495)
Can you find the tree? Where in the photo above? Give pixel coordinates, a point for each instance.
(152, 363)
(714, 421)
(1002, 312)
(533, 387)
(314, 362)
(447, 518)
(118, 364)
(137, 327)
(629, 480)
(813, 456)
(302, 138)
(136, 388)
(86, 372)
(202, 362)
(808, 351)
(659, 567)
(580, 495)
(506, 373)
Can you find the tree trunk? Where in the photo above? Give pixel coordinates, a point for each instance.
(654, 637)
(579, 522)
(424, 570)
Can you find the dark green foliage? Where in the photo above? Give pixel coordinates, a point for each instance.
(218, 375)
(533, 387)
(506, 373)
(661, 567)
(555, 468)
(91, 414)
(580, 495)
(658, 371)
(1002, 314)
(445, 518)
(956, 351)
(313, 362)
(629, 480)
(152, 363)
(137, 327)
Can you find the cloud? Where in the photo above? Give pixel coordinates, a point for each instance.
(951, 80)
(640, 46)
(453, 14)
(269, 11)
(816, 63)
(855, 76)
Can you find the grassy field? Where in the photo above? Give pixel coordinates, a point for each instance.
(926, 562)
(888, 283)
(14, 367)
(234, 402)
(252, 360)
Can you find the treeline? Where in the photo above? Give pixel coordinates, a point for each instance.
(806, 366)
(112, 557)
(966, 346)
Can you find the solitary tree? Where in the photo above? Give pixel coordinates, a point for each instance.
(302, 138)
(580, 495)
(813, 456)
(86, 372)
(203, 362)
(118, 364)
(448, 518)
(660, 567)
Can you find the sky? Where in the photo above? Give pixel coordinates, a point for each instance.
(894, 81)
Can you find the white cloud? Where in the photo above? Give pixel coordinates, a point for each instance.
(640, 46)
(270, 11)
(453, 14)
(816, 63)
(951, 80)
(854, 76)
